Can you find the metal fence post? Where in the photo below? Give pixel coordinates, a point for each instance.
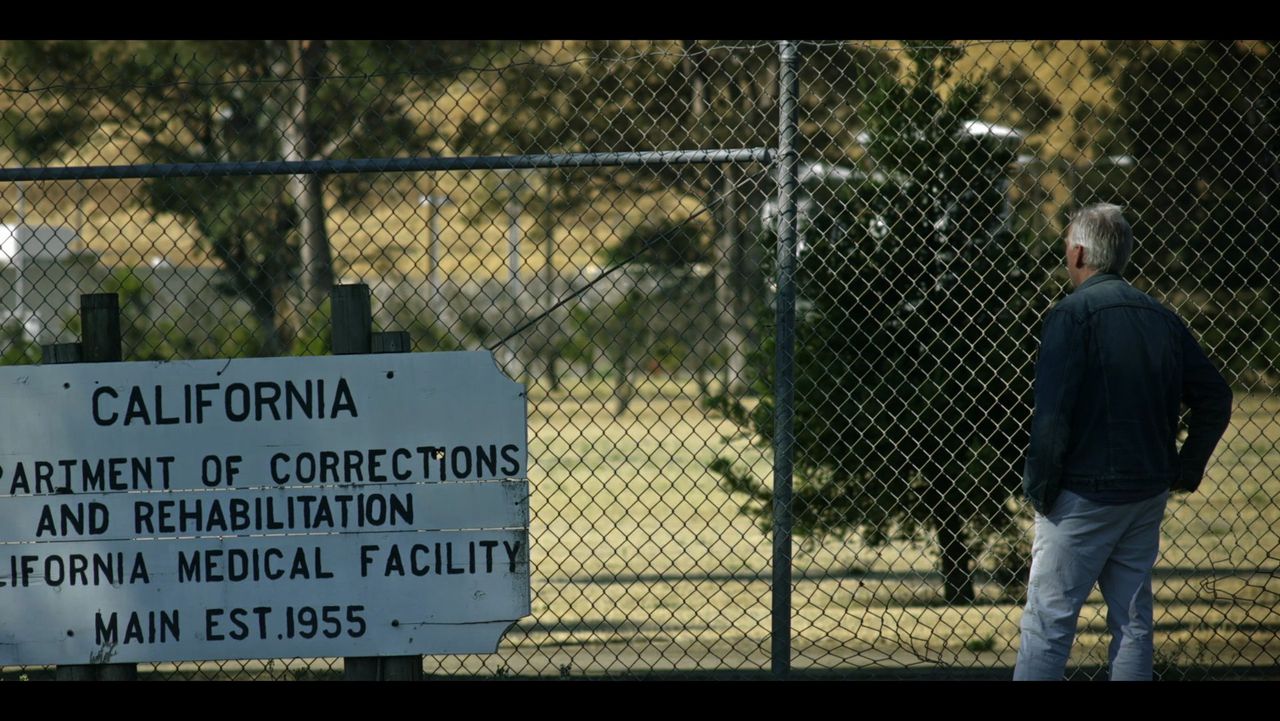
(784, 365)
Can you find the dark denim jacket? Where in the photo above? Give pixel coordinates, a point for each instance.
(1114, 368)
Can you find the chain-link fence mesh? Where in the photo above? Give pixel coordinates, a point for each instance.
(634, 296)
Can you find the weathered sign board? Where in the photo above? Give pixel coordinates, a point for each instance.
(357, 505)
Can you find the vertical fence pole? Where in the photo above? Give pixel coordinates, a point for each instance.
(784, 363)
(99, 343)
(353, 333)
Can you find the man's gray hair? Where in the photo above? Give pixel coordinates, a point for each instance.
(1105, 236)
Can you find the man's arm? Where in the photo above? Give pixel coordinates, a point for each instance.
(1208, 396)
(1059, 370)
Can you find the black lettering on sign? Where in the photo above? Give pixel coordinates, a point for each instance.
(437, 454)
(240, 520)
(161, 419)
(262, 612)
(376, 509)
(106, 632)
(449, 560)
(80, 568)
(375, 463)
(343, 401)
(19, 483)
(188, 566)
(324, 515)
(352, 466)
(45, 526)
(68, 465)
(95, 476)
(202, 402)
(366, 559)
(142, 521)
(488, 547)
(139, 574)
(266, 400)
(486, 463)
(73, 569)
(97, 406)
(292, 396)
(267, 568)
(154, 627)
(116, 466)
(216, 520)
(509, 455)
(395, 464)
(137, 408)
(512, 551)
(276, 475)
(402, 508)
(306, 467)
(425, 568)
(241, 630)
(164, 470)
(266, 394)
(395, 565)
(233, 413)
(210, 623)
(329, 467)
(44, 476)
(20, 477)
(239, 565)
(75, 518)
(463, 469)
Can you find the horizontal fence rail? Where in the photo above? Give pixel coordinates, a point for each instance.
(388, 165)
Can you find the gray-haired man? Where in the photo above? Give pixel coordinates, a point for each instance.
(1113, 370)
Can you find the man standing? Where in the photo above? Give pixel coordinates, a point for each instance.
(1113, 370)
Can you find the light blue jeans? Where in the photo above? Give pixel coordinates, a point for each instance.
(1078, 544)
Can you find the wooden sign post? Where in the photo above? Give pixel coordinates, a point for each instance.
(352, 314)
(100, 328)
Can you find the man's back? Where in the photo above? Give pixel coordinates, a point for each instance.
(1119, 366)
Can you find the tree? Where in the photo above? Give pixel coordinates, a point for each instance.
(1201, 123)
(291, 100)
(913, 350)
(198, 108)
(38, 131)
(660, 285)
(665, 96)
(247, 101)
(355, 99)
(1201, 120)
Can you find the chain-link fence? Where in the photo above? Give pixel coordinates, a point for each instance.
(605, 217)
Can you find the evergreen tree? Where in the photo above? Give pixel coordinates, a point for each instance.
(914, 336)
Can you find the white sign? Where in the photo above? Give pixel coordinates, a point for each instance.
(358, 505)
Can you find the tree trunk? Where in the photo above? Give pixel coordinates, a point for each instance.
(437, 304)
(515, 285)
(955, 558)
(550, 326)
(728, 286)
(718, 187)
(270, 312)
(306, 191)
(622, 389)
(624, 346)
(317, 256)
